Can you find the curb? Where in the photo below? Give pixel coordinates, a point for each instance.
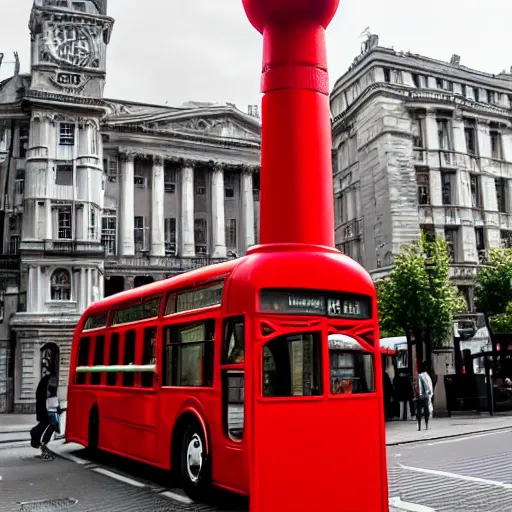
(448, 436)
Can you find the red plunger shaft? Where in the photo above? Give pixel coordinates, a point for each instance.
(297, 204)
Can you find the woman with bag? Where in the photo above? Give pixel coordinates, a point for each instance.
(54, 411)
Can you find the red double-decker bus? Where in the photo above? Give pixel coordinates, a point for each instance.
(159, 373)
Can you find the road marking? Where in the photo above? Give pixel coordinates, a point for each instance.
(474, 479)
(177, 497)
(409, 507)
(117, 476)
(468, 437)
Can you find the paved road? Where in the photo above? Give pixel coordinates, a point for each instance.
(466, 474)
(30, 484)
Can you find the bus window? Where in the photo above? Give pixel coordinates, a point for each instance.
(83, 358)
(99, 354)
(233, 379)
(188, 356)
(233, 350)
(292, 366)
(113, 358)
(352, 368)
(148, 355)
(129, 357)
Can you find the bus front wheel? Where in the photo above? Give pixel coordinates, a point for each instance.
(195, 464)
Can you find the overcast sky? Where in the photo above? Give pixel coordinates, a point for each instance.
(205, 50)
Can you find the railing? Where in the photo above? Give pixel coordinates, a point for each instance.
(353, 228)
(71, 247)
(175, 264)
(37, 152)
(451, 216)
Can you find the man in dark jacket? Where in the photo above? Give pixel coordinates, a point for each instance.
(41, 412)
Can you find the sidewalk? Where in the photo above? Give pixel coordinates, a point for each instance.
(16, 422)
(401, 432)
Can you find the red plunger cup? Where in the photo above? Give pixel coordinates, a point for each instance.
(297, 204)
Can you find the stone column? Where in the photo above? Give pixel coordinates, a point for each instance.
(82, 298)
(247, 209)
(31, 288)
(483, 139)
(218, 217)
(126, 205)
(187, 244)
(432, 139)
(157, 208)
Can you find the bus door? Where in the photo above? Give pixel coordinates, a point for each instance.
(229, 463)
(308, 451)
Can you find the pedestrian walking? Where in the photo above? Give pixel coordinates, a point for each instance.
(54, 411)
(41, 412)
(425, 394)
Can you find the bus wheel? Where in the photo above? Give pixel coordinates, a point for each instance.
(195, 464)
(94, 430)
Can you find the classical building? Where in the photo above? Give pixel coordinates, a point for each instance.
(99, 195)
(421, 145)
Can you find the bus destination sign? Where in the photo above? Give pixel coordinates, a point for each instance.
(310, 303)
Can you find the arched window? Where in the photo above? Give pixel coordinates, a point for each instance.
(61, 285)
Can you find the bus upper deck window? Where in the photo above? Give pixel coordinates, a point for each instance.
(234, 341)
(352, 368)
(292, 366)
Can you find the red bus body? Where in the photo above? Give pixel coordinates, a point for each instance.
(142, 423)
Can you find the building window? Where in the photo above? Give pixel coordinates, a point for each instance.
(61, 285)
(14, 244)
(496, 150)
(112, 170)
(493, 97)
(231, 234)
(200, 182)
(429, 232)
(480, 240)
(450, 235)
(64, 222)
(476, 196)
(170, 181)
(79, 6)
(67, 134)
(23, 140)
(501, 197)
(92, 222)
(139, 181)
(170, 235)
(447, 181)
(463, 90)
(387, 75)
(139, 233)
(256, 186)
(506, 239)
(108, 233)
(19, 187)
(229, 185)
(188, 355)
(201, 236)
(64, 175)
(94, 143)
(423, 184)
(417, 134)
(445, 143)
(469, 133)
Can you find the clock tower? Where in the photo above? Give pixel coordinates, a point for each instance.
(69, 42)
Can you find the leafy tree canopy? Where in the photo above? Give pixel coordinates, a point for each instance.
(493, 291)
(417, 297)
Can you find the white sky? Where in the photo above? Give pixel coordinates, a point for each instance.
(206, 50)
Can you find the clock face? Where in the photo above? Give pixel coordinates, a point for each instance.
(75, 45)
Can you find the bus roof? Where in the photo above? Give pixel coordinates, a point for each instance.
(185, 280)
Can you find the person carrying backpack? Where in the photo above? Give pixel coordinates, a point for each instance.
(54, 411)
(425, 394)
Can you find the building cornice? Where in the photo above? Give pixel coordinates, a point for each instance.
(419, 64)
(420, 96)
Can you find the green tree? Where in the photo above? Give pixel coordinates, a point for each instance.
(418, 299)
(493, 292)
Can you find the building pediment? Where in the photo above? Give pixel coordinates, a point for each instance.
(224, 122)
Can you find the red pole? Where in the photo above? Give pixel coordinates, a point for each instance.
(297, 204)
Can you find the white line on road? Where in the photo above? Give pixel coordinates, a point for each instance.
(474, 479)
(469, 437)
(409, 507)
(119, 477)
(176, 497)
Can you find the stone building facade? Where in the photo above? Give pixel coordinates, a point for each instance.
(100, 195)
(421, 145)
